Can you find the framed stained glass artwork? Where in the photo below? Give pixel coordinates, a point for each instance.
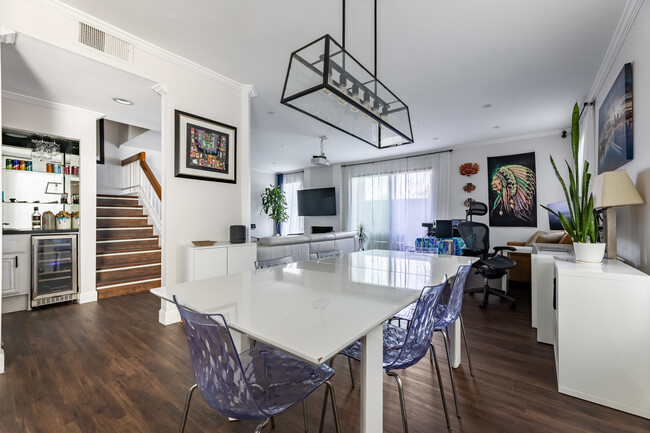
(205, 149)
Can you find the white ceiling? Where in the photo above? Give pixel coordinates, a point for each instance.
(40, 70)
(530, 59)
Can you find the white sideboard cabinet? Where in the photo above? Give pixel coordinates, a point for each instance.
(199, 263)
(602, 339)
(16, 266)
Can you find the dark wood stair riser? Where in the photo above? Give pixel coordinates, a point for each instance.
(127, 275)
(127, 289)
(119, 212)
(127, 246)
(106, 262)
(116, 202)
(139, 233)
(122, 222)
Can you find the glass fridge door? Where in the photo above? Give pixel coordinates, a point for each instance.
(54, 265)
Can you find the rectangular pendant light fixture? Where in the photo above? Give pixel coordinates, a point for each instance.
(325, 82)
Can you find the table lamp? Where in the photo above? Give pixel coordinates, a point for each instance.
(612, 189)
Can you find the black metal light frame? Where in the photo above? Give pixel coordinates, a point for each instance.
(405, 133)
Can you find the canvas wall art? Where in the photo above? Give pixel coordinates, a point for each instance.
(615, 124)
(513, 190)
(205, 149)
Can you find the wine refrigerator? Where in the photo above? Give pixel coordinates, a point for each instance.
(54, 269)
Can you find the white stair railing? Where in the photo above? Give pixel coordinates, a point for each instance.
(140, 180)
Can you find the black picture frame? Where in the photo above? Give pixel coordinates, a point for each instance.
(215, 161)
(100, 141)
(512, 190)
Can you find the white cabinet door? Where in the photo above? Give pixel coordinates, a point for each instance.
(210, 263)
(9, 274)
(242, 258)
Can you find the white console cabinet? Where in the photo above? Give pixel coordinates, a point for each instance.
(602, 339)
(199, 263)
(542, 312)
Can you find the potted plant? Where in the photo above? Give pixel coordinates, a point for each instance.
(362, 232)
(274, 204)
(583, 226)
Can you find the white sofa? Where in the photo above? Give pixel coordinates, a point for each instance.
(305, 247)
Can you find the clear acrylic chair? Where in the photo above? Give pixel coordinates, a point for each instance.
(280, 261)
(257, 384)
(329, 254)
(445, 315)
(404, 348)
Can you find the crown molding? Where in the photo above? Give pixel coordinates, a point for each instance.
(49, 104)
(76, 14)
(620, 35)
(7, 36)
(508, 139)
(160, 89)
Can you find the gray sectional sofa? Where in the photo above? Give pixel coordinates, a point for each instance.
(305, 247)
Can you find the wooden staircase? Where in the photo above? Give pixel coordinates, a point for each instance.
(128, 252)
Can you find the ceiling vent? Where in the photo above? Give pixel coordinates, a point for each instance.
(104, 42)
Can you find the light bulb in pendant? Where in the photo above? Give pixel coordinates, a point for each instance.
(327, 91)
(341, 101)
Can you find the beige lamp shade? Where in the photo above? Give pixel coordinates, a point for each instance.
(614, 188)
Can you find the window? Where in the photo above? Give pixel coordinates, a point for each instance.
(393, 198)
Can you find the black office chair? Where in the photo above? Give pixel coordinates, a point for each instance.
(491, 265)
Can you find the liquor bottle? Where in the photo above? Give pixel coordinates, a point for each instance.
(36, 219)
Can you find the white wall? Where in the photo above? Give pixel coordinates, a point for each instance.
(325, 177)
(548, 188)
(632, 222)
(264, 225)
(81, 125)
(110, 177)
(192, 209)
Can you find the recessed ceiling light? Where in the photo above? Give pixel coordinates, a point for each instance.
(271, 113)
(273, 163)
(123, 101)
(487, 105)
(284, 146)
(496, 127)
(435, 138)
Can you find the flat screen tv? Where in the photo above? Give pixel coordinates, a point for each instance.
(316, 202)
(559, 207)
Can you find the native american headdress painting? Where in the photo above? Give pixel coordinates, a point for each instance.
(513, 190)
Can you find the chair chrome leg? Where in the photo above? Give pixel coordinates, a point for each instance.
(304, 415)
(335, 409)
(329, 390)
(451, 371)
(322, 414)
(259, 428)
(442, 391)
(469, 359)
(405, 426)
(188, 399)
(351, 375)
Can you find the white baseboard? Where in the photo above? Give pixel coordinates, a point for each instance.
(89, 296)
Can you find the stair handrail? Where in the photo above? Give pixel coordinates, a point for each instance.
(147, 187)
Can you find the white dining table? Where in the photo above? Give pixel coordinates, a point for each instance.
(314, 309)
(433, 265)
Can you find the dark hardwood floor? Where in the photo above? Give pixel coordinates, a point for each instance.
(111, 367)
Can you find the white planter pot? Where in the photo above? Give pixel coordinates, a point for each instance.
(588, 252)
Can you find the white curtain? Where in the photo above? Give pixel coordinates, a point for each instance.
(393, 198)
(291, 183)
